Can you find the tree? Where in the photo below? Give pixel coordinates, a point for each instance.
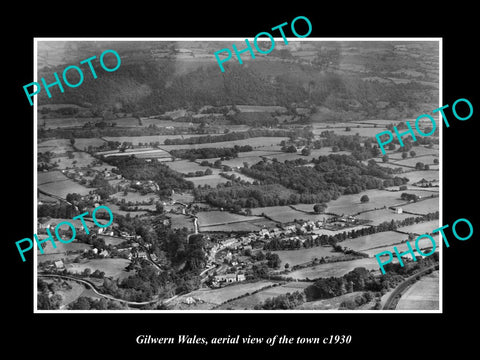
(319, 208)
(159, 207)
(413, 153)
(87, 272)
(404, 155)
(287, 265)
(364, 199)
(306, 151)
(420, 166)
(385, 158)
(435, 161)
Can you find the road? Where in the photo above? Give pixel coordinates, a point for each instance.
(403, 286)
(91, 286)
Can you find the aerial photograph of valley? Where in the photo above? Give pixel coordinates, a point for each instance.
(261, 188)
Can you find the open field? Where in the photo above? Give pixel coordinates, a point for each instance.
(424, 244)
(255, 143)
(247, 226)
(61, 187)
(332, 269)
(62, 248)
(421, 228)
(147, 139)
(183, 197)
(68, 295)
(112, 267)
(116, 210)
(67, 122)
(350, 204)
(139, 153)
(260, 108)
(44, 177)
(55, 146)
(301, 256)
(329, 304)
(211, 180)
(415, 176)
(423, 207)
(423, 295)
(80, 160)
(212, 297)
(427, 160)
(111, 240)
(210, 218)
(179, 221)
(135, 197)
(376, 217)
(186, 166)
(84, 143)
(248, 302)
(374, 240)
(285, 214)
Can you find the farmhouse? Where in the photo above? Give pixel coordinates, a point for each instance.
(230, 278)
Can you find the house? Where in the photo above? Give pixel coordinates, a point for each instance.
(230, 278)
(59, 264)
(104, 253)
(399, 210)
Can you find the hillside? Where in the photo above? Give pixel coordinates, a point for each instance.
(348, 80)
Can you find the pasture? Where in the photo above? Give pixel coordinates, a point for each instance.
(211, 218)
(210, 180)
(55, 146)
(114, 268)
(421, 228)
(376, 217)
(218, 296)
(415, 176)
(179, 221)
(423, 207)
(248, 302)
(256, 142)
(424, 244)
(243, 226)
(329, 304)
(84, 143)
(136, 197)
(79, 160)
(350, 204)
(374, 241)
(423, 295)
(186, 166)
(61, 186)
(285, 214)
(302, 256)
(336, 269)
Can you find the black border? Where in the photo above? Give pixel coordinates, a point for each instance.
(408, 334)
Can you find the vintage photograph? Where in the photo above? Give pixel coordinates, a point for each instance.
(263, 187)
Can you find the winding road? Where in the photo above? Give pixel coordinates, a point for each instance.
(91, 286)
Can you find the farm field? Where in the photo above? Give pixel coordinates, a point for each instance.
(46, 199)
(182, 197)
(374, 240)
(44, 177)
(179, 221)
(211, 180)
(421, 228)
(112, 267)
(427, 160)
(186, 166)
(167, 123)
(116, 210)
(62, 248)
(111, 240)
(84, 143)
(415, 176)
(67, 122)
(260, 108)
(62, 187)
(423, 207)
(77, 223)
(139, 153)
(55, 146)
(424, 244)
(244, 226)
(212, 297)
(135, 197)
(248, 302)
(285, 214)
(376, 217)
(255, 142)
(423, 295)
(210, 218)
(147, 139)
(81, 159)
(350, 204)
(332, 269)
(241, 176)
(68, 295)
(301, 256)
(328, 304)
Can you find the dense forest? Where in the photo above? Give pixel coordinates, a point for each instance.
(138, 169)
